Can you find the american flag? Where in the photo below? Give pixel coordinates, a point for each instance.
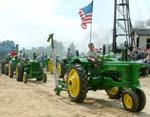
(86, 15)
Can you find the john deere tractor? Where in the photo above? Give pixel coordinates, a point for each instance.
(120, 79)
(30, 70)
(4, 64)
(9, 62)
(12, 66)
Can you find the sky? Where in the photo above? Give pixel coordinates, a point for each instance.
(29, 22)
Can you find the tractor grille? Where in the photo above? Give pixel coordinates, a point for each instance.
(35, 67)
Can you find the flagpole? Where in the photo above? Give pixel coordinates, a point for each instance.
(91, 33)
(91, 24)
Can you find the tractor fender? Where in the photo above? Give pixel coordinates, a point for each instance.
(82, 60)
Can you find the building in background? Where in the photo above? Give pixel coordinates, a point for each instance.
(142, 38)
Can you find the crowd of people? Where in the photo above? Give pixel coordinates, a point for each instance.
(142, 54)
(139, 53)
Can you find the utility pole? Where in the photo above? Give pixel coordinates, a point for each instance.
(114, 45)
(122, 28)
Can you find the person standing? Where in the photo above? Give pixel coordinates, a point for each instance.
(148, 62)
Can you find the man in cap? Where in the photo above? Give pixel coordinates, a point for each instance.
(91, 54)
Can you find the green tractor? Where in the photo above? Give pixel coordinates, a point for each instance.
(4, 64)
(12, 66)
(9, 62)
(119, 79)
(30, 70)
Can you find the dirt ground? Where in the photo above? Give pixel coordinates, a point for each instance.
(37, 99)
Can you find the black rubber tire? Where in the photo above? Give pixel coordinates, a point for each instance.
(82, 82)
(25, 77)
(6, 69)
(38, 79)
(3, 67)
(20, 73)
(41, 72)
(141, 99)
(62, 66)
(114, 96)
(44, 77)
(134, 100)
(11, 70)
(143, 72)
(57, 93)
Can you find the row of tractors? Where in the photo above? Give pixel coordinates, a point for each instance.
(23, 69)
(78, 75)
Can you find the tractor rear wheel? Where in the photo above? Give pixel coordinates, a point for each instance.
(60, 69)
(77, 83)
(6, 69)
(141, 99)
(44, 77)
(130, 100)
(10, 70)
(50, 66)
(114, 93)
(19, 72)
(25, 77)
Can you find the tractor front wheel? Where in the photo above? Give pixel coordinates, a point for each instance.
(25, 77)
(2, 67)
(19, 73)
(6, 69)
(11, 71)
(44, 77)
(141, 99)
(77, 83)
(130, 100)
(114, 93)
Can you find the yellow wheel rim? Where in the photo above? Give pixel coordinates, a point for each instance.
(50, 66)
(113, 90)
(59, 69)
(73, 83)
(24, 78)
(128, 101)
(16, 71)
(9, 69)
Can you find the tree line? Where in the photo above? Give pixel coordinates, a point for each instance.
(60, 49)
(6, 47)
